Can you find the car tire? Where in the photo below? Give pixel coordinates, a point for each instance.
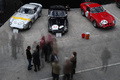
(39, 15)
(94, 24)
(82, 12)
(118, 4)
(29, 25)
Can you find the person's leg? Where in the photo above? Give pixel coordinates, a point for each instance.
(68, 76)
(64, 77)
(57, 76)
(29, 64)
(54, 76)
(35, 69)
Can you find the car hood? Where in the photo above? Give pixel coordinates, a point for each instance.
(24, 17)
(103, 16)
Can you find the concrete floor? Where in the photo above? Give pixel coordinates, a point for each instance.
(88, 51)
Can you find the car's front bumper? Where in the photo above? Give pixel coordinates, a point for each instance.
(109, 25)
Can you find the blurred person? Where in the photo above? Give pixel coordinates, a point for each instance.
(45, 52)
(42, 43)
(56, 70)
(36, 60)
(49, 50)
(29, 57)
(105, 56)
(55, 46)
(50, 39)
(67, 69)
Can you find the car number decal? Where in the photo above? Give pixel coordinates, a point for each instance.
(55, 27)
(25, 19)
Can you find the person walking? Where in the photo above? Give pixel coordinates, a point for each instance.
(67, 69)
(29, 57)
(36, 60)
(56, 70)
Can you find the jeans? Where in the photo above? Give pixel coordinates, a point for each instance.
(29, 64)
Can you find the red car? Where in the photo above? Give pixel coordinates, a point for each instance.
(117, 3)
(97, 15)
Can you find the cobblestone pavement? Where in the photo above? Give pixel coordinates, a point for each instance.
(88, 51)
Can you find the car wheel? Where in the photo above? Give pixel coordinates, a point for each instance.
(82, 12)
(39, 15)
(29, 25)
(94, 24)
(118, 4)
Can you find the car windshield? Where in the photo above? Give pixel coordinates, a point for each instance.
(97, 9)
(26, 11)
(57, 13)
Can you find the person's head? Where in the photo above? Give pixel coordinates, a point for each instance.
(74, 53)
(28, 47)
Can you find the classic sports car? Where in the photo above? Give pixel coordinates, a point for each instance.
(117, 3)
(57, 19)
(97, 15)
(25, 16)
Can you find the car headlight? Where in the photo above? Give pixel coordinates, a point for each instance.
(114, 22)
(100, 24)
(104, 21)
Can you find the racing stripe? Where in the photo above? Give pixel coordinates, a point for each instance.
(21, 18)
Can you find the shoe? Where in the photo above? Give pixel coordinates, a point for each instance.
(35, 70)
(31, 65)
(30, 69)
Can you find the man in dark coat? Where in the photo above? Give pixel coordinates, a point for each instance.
(36, 60)
(29, 57)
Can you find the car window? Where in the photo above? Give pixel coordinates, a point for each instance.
(58, 13)
(88, 9)
(26, 11)
(97, 9)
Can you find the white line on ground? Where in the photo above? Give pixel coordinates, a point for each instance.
(86, 70)
(112, 14)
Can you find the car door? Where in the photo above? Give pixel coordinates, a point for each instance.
(35, 13)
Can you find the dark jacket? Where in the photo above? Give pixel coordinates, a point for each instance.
(53, 58)
(28, 53)
(68, 68)
(36, 59)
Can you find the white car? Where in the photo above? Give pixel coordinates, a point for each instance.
(25, 16)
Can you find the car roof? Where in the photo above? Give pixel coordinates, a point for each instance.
(30, 6)
(91, 4)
